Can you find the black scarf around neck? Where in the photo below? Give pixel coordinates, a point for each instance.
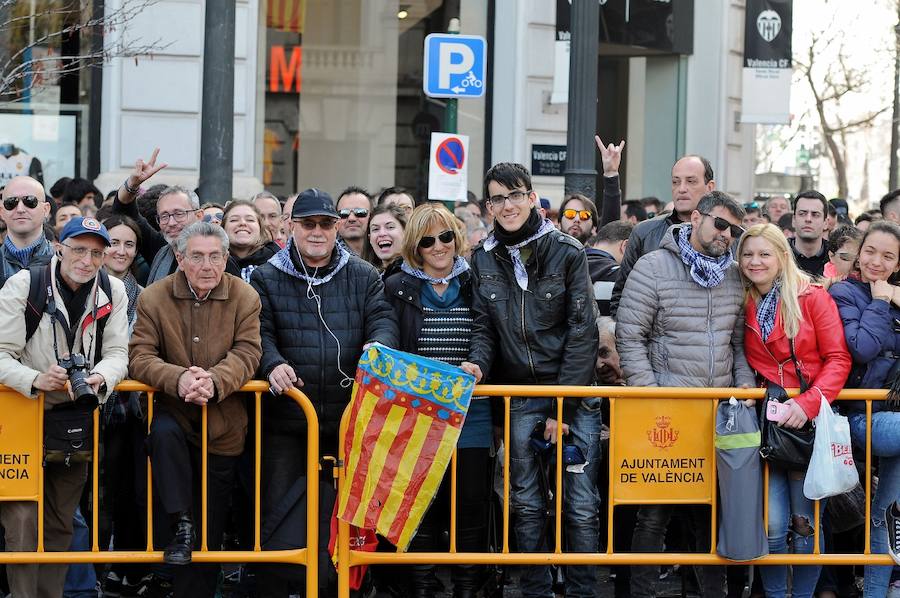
(529, 228)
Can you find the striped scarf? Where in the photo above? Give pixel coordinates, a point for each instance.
(515, 251)
(766, 310)
(707, 271)
(459, 266)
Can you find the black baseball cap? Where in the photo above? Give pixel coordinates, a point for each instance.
(313, 202)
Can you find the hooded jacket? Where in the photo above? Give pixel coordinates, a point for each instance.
(21, 362)
(297, 322)
(673, 332)
(819, 346)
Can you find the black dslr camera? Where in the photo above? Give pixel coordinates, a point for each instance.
(76, 367)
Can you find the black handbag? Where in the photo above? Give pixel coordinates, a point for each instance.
(69, 432)
(788, 448)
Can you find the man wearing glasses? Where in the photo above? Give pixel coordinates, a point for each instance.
(535, 323)
(353, 207)
(176, 208)
(23, 212)
(320, 306)
(578, 217)
(79, 317)
(680, 323)
(196, 339)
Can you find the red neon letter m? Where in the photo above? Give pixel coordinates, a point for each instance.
(284, 76)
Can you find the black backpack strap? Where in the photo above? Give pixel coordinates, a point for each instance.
(106, 287)
(37, 299)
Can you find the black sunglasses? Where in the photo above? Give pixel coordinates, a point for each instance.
(10, 203)
(722, 224)
(446, 237)
(358, 212)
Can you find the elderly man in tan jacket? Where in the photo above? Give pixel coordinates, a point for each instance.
(197, 340)
(84, 318)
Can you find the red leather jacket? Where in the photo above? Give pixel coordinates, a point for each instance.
(820, 348)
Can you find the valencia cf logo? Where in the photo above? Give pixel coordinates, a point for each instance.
(768, 23)
(663, 435)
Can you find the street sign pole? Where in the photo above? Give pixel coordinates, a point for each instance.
(450, 111)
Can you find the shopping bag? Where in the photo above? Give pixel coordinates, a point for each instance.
(360, 539)
(831, 468)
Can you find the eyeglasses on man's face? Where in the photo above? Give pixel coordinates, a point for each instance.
(577, 214)
(197, 259)
(516, 198)
(722, 225)
(358, 212)
(309, 225)
(177, 215)
(12, 202)
(80, 252)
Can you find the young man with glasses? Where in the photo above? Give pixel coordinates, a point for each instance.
(320, 306)
(176, 208)
(354, 205)
(85, 320)
(578, 217)
(23, 211)
(535, 323)
(681, 323)
(196, 339)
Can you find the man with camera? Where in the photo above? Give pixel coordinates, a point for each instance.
(535, 323)
(77, 353)
(196, 339)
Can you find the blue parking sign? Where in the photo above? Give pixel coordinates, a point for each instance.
(455, 66)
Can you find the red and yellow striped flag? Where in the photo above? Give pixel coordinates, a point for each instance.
(405, 418)
(286, 15)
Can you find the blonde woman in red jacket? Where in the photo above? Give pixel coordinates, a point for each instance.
(784, 307)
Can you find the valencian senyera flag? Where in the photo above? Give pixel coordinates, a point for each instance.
(406, 414)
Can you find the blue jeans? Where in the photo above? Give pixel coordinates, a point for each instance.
(581, 499)
(886, 446)
(790, 512)
(81, 580)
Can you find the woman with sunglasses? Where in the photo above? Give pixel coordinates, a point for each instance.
(384, 241)
(249, 244)
(432, 297)
(869, 304)
(792, 328)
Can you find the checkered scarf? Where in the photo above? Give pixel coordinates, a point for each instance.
(706, 271)
(766, 308)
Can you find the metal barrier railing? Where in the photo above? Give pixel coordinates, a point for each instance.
(300, 556)
(619, 396)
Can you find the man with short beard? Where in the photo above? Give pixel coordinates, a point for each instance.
(176, 208)
(578, 217)
(810, 249)
(681, 323)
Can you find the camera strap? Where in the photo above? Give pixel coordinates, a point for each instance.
(57, 316)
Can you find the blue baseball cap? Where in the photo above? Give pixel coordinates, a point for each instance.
(79, 226)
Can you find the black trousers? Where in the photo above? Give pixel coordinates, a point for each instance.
(283, 514)
(177, 475)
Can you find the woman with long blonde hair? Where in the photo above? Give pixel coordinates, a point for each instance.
(792, 329)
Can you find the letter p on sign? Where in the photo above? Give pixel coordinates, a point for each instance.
(455, 59)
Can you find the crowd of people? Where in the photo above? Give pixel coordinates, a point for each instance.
(197, 299)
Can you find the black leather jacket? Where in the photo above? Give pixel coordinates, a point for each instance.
(546, 334)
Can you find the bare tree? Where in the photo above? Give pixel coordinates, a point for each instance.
(831, 80)
(28, 29)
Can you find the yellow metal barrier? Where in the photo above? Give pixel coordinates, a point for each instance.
(18, 440)
(626, 401)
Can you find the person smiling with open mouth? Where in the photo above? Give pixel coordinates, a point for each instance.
(384, 241)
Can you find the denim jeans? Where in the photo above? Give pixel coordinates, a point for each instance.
(81, 579)
(581, 499)
(650, 535)
(790, 512)
(886, 446)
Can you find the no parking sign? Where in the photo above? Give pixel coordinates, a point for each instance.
(447, 167)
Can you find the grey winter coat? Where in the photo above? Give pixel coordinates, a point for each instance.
(673, 332)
